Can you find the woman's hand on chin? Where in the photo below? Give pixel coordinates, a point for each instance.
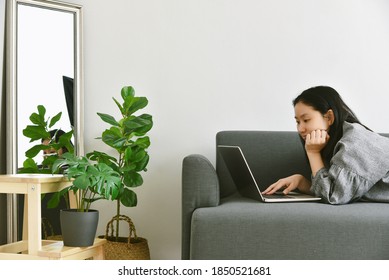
(316, 141)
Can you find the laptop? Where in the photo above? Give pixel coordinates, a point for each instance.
(245, 182)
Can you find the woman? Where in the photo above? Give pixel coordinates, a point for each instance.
(55, 136)
(348, 161)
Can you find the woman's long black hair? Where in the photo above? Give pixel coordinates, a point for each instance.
(322, 99)
(56, 134)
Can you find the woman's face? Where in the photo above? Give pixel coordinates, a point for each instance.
(308, 119)
(51, 151)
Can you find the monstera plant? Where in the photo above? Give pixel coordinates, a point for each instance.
(90, 181)
(127, 137)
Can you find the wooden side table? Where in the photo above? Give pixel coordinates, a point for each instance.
(32, 186)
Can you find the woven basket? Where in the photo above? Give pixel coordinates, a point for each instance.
(48, 231)
(125, 248)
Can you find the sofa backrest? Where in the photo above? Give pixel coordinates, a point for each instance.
(271, 155)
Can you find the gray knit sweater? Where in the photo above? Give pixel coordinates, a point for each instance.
(359, 169)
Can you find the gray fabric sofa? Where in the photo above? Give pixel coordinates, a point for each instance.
(218, 223)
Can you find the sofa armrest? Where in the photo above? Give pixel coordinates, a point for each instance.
(200, 188)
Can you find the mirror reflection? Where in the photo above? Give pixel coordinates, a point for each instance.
(45, 68)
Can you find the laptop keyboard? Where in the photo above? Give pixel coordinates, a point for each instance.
(278, 196)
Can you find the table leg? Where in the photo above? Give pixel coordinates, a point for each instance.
(34, 219)
(25, 219)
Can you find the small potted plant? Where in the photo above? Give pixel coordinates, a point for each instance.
(90, 182)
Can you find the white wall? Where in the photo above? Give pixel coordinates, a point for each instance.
(207, 66)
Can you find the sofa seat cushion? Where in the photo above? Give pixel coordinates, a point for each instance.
(241, 228)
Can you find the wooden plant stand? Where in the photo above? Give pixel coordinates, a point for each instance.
(32, 246)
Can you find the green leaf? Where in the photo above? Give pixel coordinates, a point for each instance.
(122, 111)
(128, 154)
(104, 181)
(138, 125)
(138, 155)
(29, 163)
(82, 182)
(128, 198)
(55, 119)
(108, 119)
(131, 123)
(127, 91)
(56, 198)
(35, 150)
(128, 95)
(137, 104)
(113, 137)
(36, 132)
(29, 166)
(147, 122)
(67, 159)
(65, 141)
(36, 119)
(41, 110)
(143, 142)
(49, 161)
(102, 157)
(141, 165)
(39, 119)
(132, 179)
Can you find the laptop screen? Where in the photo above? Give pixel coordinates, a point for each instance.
(240, 171)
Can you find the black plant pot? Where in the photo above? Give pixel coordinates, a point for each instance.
(79, 228)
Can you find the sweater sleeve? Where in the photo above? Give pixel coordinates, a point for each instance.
(361, 159)
(338, 185)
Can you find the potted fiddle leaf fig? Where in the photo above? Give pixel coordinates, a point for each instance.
(128, 139)
(90, 182)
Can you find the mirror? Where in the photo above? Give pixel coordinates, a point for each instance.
(44, 67)
(44, 54)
